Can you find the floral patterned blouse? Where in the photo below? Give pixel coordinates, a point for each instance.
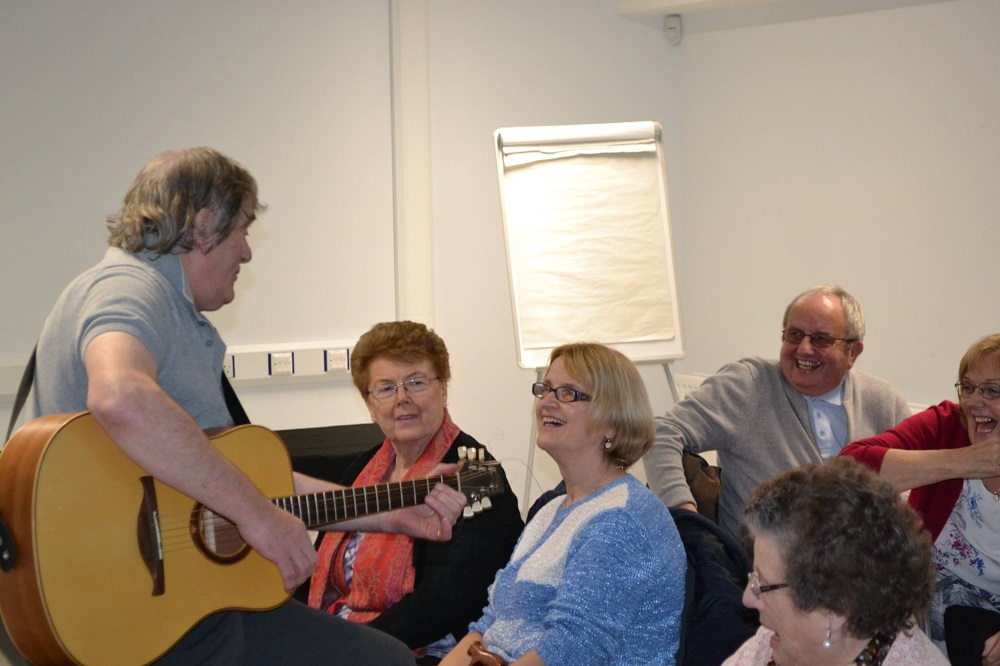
(969, 545)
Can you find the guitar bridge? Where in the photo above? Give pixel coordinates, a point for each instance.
(148, 534)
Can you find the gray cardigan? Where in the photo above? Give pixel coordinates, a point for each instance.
(760, 427)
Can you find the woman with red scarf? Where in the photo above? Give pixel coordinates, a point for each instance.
(423, 593)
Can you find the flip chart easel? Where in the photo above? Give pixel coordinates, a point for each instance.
(589, 244)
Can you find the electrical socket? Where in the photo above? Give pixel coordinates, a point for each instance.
(281, 363)
(337, 360)
(229, 366)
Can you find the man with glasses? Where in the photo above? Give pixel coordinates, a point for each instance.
(764, 417)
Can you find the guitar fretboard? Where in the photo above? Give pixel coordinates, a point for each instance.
(319, 509)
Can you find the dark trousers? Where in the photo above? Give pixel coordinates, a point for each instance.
(966, 630)
(290, 634)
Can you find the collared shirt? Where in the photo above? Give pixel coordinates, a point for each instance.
(828, 419)
(149, 299)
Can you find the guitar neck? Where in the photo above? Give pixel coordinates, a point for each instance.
(319, 509)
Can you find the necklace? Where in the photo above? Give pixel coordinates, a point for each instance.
(600, 484)
(994, 493)
(873, 654)
(876, 650)
(604, 479)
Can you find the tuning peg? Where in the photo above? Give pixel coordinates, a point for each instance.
(467, 512)
(477, 507)
(461, 452)
(486, 503)
(482, 454)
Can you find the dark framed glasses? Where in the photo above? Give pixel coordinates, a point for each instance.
(562, 393)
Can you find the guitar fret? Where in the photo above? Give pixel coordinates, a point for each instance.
(333, 506)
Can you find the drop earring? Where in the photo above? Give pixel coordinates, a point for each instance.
(827, 644)
(607, 443)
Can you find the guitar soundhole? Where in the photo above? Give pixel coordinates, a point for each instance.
(216, 537)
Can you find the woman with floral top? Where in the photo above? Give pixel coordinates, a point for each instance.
(949, 455)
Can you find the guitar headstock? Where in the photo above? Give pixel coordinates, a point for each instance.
(478, 479)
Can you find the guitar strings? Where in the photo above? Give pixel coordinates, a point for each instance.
(177, 531)
(345, 504)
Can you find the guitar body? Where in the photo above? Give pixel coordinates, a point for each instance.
(80, 590)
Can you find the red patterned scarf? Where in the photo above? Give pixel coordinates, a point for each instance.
(383, 565)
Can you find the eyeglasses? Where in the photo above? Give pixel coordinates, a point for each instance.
(562, 393)
(412, 385)
(819, 340)
(759, 589)
(989, 391)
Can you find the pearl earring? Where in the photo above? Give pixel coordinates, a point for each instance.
(607, 443)
(827, 644)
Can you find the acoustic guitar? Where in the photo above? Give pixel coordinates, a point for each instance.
(114, 567)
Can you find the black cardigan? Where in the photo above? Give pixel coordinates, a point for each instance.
(452, 578)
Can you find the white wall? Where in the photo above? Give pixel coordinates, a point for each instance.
(857, 149)
(514, 63)
(298, 92)
(488, 64)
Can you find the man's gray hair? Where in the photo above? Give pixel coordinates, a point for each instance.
(160, 208)
(854, 318)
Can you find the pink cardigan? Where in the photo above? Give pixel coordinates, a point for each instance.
(937, 427)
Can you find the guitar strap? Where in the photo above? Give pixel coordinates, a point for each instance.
(236, 410)
(8, 551)
(22, 392)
